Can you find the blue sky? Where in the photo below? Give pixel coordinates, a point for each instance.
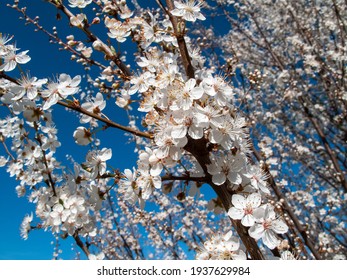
(46, 61)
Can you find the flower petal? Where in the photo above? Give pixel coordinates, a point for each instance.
(248, 220)
(219, 178)
(256, 231)
(236, 213)
(279, 226)
(270, 239)
(239, 201)
(254, 199)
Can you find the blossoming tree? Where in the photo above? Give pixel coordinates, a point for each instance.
(190, 125)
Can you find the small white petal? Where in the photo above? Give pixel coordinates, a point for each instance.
(256, 231)
(254, 199)
(196, 132)
(279, 226)
(179, 131)
(239, 201)
(156, 169)
(219, 178)
(235, 213)
(196, 93)
(270, 239)
(248, 220)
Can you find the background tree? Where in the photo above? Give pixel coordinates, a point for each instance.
(291, 66)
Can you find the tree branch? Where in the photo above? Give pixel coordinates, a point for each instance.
(170, 177)
(106, 121)
(198, 148)
(91, 114)
(103, 47)
(179, 34)
(80, 244)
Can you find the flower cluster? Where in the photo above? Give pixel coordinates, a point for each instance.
(9, 55)
(65, 212)
(221, 247)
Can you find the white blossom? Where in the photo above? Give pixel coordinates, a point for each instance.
(79, 3)
(266, 226)
(96, 161)
(188, 10)
(243, 208)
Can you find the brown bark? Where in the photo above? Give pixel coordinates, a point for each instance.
(199, 149)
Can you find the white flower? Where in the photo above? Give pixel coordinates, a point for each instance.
(169, 146)
(147, 183)
(78, 20)
(28, 86)
(226, 130)
(287, 255)
(25, 226)
(56, 91)
(50, 143)
(223, 168)
(11, 59)
(59, 214)
(151, 32)
(151, 62)
(75, 204)
(167, 75)
(206, 115)
(31, 112)
(189, 10)
(82, 136)
(79, 3)
(96, 161)
(149, 160)
(128, 186)
(140, 83)
(95, 106)
(20, 190)
(4, 39)
(222, 247)
(118, 30)
(186, 123)
(3, 161)
(86, 51)
(182, 97)
(99, 256)
(257, 178)
(266, 227)
(218, 89)
(244, 207)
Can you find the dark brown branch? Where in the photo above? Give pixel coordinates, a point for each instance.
(80, 244)
(91, 114)
(170, 177)
(198, 148)
(106, 121)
